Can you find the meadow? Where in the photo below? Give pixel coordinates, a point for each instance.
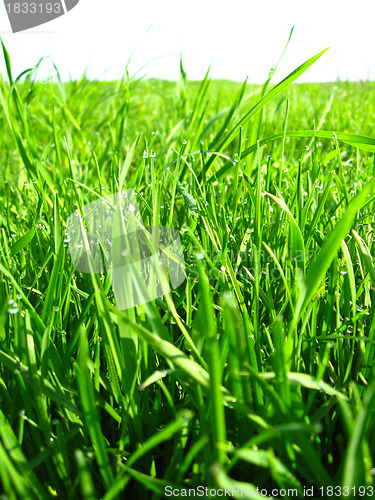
(257, 371)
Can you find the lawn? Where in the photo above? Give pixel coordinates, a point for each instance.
(257, 371)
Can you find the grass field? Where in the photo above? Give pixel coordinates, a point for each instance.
(258, 370)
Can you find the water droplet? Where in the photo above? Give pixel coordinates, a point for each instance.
(79, 245)
(13, 307)
(124, 253)
(145, 155)
(131, 207)
(152, 154)
(57, 309)
(184, 141)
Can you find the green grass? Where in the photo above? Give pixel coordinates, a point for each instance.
(258, 369)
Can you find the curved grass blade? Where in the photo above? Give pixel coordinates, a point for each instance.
(172, 353)
(90, 413)
(296, 244)
(267, 98)
(363, 142)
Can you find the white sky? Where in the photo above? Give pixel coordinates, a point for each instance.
(241, 38)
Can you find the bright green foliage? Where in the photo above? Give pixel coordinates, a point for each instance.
(258, 369)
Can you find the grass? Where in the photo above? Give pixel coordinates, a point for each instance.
(258, 370)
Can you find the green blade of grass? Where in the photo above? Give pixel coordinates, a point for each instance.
(267, 98)
(90, 413)
(22, 242)
(328, 252)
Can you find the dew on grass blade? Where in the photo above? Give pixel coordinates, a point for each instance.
(13, 307)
